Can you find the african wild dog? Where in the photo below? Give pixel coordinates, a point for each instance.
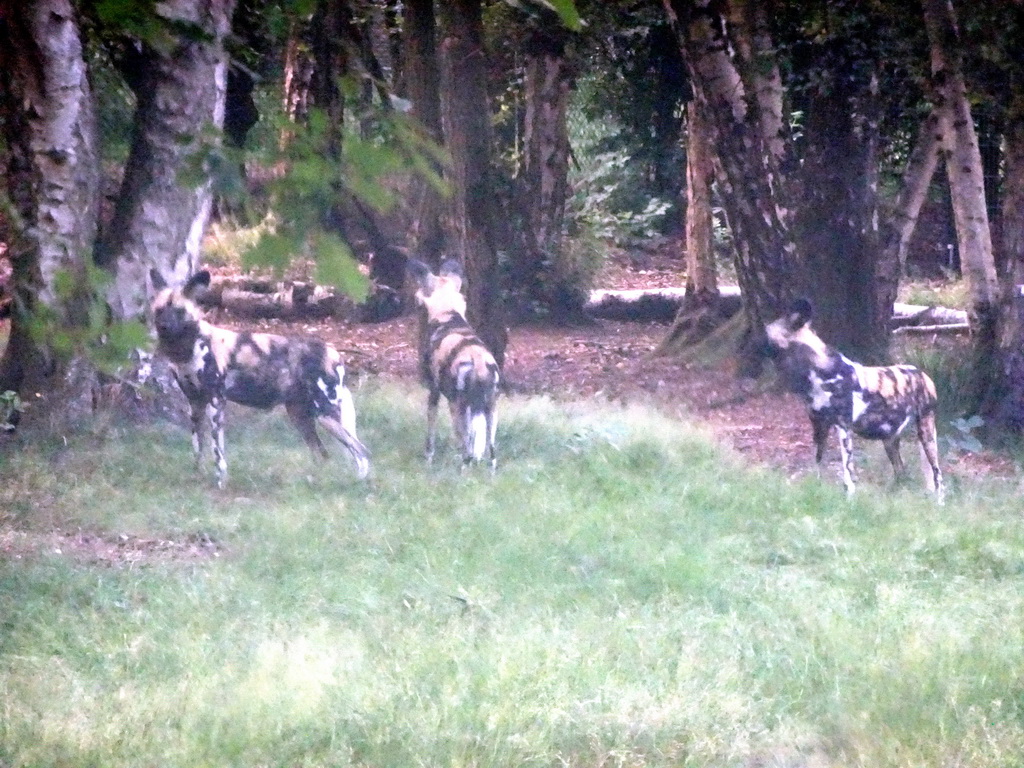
(455, 363)
(876, 403)
(260, 370)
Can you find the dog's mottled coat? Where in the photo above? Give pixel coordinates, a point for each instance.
(455, 363)
(214, 365)
(874, 402)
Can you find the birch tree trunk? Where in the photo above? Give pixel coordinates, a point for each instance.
(967, 190)
(744, 128)
(160, 213)
(467, 130)
(49, 127)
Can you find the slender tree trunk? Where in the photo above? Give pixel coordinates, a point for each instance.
(547, 87)
(701, 310)
(751, 180)
(298, 76)
(898, 226)
(466, 119)
(49, 127)
(967, 189)
(160, 213)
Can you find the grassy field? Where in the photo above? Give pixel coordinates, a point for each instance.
(621, 593)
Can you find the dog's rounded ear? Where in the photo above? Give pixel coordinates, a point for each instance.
(157, 279)
(198, 282)
(451, 268)
(421, 276)
(800, 313)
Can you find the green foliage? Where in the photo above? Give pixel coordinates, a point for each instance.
(621, 592)
(78, 323)
(326, 168)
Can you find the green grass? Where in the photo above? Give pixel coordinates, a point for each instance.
(621, 593)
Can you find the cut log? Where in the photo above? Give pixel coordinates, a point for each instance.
(295, 300)
(662, 305)
(918, 314)
(921, 330)
(648, 305)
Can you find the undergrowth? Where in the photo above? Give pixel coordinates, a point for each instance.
(621, 592)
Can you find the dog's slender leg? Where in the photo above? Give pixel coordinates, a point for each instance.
(306, 427)
(930, 456)
(846, 456)
(216, 411)
(492, 426)
(820, 429)
(892, 450)
(432, 400)
(198, 432)
(460, 427)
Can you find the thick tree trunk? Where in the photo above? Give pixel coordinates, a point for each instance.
(967, 189)
(1005, 406)
(160, 214)
(422, 82)
(52, 178)
(838, 216)
(467, 130)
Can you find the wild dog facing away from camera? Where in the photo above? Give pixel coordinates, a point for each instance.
(259, 370)
(873, 402)
(455, 363)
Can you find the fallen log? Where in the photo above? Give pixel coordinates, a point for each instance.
(662, 305)
(648, 305)
(297, 300)
(921, 330)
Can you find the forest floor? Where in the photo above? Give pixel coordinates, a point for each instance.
(614, 361)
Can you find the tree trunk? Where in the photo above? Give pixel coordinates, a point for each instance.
(467, 129)
(967, 189)
(159, 216)
(422, 82)
(547, 87)
(837, 218)
(751, 180)
(1005, 406)
(52, 178)
(702, 308)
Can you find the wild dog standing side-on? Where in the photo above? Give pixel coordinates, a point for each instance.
(455, 363)
(873, 402)
(260, 370)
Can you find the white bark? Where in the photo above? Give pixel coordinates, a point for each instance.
(962, 156)
(159, 219)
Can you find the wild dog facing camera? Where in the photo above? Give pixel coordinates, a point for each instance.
(214, 365)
